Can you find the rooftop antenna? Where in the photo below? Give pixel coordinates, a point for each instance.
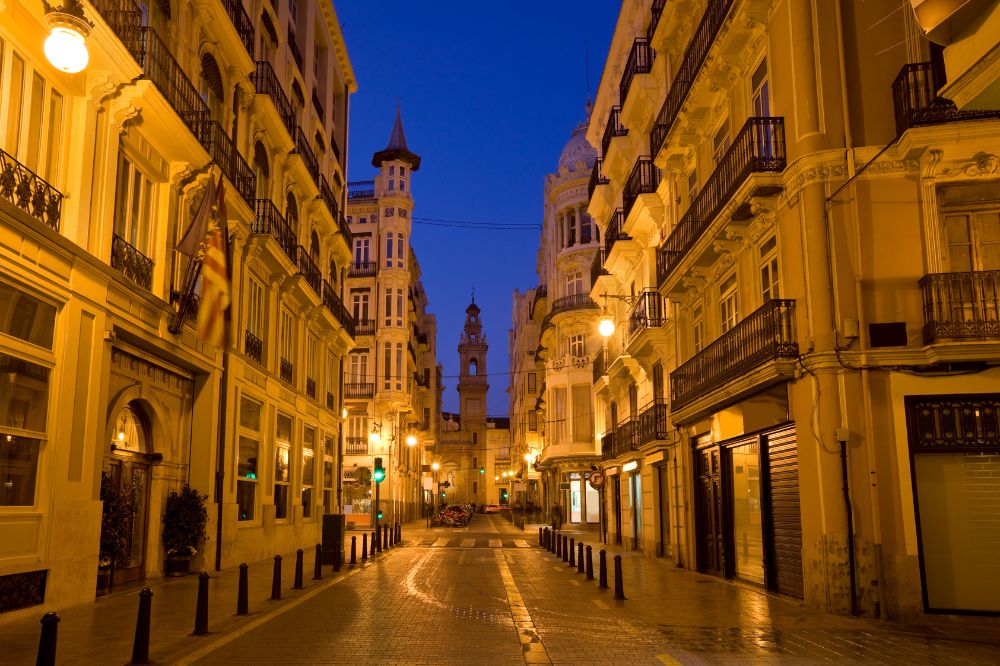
(473, 294)
(586, 64)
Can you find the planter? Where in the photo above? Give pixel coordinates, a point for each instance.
(177, 565)
(103, 579)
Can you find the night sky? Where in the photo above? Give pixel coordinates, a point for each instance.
(490, 92)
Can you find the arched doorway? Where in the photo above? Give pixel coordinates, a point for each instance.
(125, 477)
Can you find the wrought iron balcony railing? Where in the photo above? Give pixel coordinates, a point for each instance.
(311, 387)
(600, 364)
(362, 269)
(614, 232)
(241, 21)
(305, 151)
(356, 446)
(160, 67)
(334, 144)
(336, 307)
(308, 269)
(916, 102)
(25, 189)
(326, 193)
(269, 221)
(656, 12)
(361, 189)
(329, 400)
(356, 390)
(758, 148)
(767, 334)
(265, 82)
(608, 445)
(644, 179)
(640, 61)
(626, 437)
(364, 327)
(293, 47)
(961, 306)
(572, 302)
(253, 346)
(131, 263)
(691, 64)
(286, 371)
(345, 230)
(647, 312)
(653, 422)
(596, 178)
(220, 146)
(597, 266)
(612, 129)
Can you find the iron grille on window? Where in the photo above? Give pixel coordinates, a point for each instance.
(253, 346)
(269, 221)
(131, 263)
(25, 189)
(286, 371)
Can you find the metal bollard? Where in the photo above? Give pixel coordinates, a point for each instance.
(572, 552)
(553, 541)
(140, 645)
(392, 535)
(603, 582)
(318, 563)
(376, 547)
(619, 583)
(399, 533)
(243, 595)
(579, 557)
(385, 538)
(298, 570)
(354, 550)
(541, 536)
(565, 548)
(590, 563)
(364, 546)
(47, 640)
(276, 579)
(201, 612)
(558, 549)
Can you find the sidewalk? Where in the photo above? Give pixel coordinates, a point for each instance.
(102, 632)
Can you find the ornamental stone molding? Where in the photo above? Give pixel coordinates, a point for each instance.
(124, 115)
(725, 261)
(982, 164)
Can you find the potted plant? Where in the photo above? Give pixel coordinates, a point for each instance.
(116, 528)
(184, 520)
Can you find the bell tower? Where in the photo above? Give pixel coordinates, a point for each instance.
(472, 386)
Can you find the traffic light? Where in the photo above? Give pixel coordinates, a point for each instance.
(482, 470)
(380, 514)
(379, 474)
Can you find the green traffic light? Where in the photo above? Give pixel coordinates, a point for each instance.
(379, 474)
(380, 514)
(482, 470)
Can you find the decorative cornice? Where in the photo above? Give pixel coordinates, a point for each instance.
(982, 164)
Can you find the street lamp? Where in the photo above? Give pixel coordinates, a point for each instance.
(66, 45)
(411, 440)
(606, 324)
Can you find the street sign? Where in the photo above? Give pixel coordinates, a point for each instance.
(596, 480)
(363, 475)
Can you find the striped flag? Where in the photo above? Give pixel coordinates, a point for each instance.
(214, 278)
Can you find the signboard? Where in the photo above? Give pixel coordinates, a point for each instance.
(428, 483)
(363, 475)
(519, 487)
(596, 480)
(564, 485)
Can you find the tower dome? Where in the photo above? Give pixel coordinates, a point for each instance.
(577, 149)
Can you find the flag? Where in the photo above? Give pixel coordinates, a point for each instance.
(195, 234)
(214, 278)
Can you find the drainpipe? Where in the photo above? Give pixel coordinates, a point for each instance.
(843, 437)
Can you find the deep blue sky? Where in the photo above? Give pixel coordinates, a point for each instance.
(490, 92)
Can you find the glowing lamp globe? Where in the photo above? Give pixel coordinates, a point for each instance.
(66, 50)
(411, 441)
(606, 326)
(435, 467)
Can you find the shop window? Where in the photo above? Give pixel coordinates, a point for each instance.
(248, 456)
(308, 457)
(25, 317)
(24, 400)
(328, 468)
(282, 471)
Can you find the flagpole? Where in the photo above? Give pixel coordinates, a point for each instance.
(220, 464)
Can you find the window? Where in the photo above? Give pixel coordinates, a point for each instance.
(287, 342)
(25, 317)
(388, 306)
(729, 312)
(332, 377)
(658, 390)
(473, 367)
(359, 302)
(330, 450)
(389, 248)
(255, 308)
(212, 90)
(720, 142)
(282, 473)
(133, 205)
(36, 102)
(394, 310)
(312, 364)
(759, 93)
(697, 330)
(387, 366)
(361, 250)
(571, 228)
(15, 101)
(532, 379)
(574, 283)
(400, 310)
(399, 366)
(246, 465)
(533, 421)
(577, 346)
(262, 170)
(53, 142)
(633, 400)
(391, 185)
(399, 249)
(973, 239)
(359, 368)
(769, 269)
(585, 228)
(582, 424)
(308, 456)
(692, 185)
(292, 212)
(559, 414)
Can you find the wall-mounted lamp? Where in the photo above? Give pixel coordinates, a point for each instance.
(66, 45)
(606, 324)
(411, 440)
(435, 466)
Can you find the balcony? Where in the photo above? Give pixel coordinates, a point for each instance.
(361, 189)
(356, 446)
(286, 371)
(253, 346)
(364, 327)
(308, 269)
(656, 12)
(25, 189)
(624, 439)
(640, 61)
(329, 400)
(304, 150)
(311, 387)
(653, 422)
(691, 64)
(644, 179)
(359, 390)
(758, 148)
(541, 293)
(336, 307)
(241, 21)
(596, 178)
(318, 105)
(614, 232)
(293, 47)
(961, 306)
(131, 263)
(608, 445)
(916, 102)
(335, 145)
(612, 129)
(269, 221)
(265, 82)
(572, 302)
(160, 67)
(768, 334)
(360, 269)
(326, 193)
(647, 312)
(220, 146)
(600, 364)
(597, 266)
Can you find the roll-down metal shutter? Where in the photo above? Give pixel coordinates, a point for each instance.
(786, 521)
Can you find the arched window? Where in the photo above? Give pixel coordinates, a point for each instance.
(212, 90)
(292, 212)
(333, 271)
(262, 169)
(129, 431)
(473, 366)
(314, 246)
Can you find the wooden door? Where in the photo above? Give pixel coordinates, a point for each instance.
(711, 534)
(130, 474)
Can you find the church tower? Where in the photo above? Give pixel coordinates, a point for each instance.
(472, 386)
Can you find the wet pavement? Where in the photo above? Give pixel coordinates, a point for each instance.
(487, 593)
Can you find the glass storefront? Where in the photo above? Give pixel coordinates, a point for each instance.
(748, 536)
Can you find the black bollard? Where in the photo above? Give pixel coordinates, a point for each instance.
(376, 543)
(354, 550)
(276, 579)
(392, 535)
(619, 583)
(579, 557)
(572, 552)
(399, 533)
(47, 640)
(603, 578)
(385, 538)
(298, 570)
(338, 555)
(590, 563)
(553, 541)
(541, 537)
(201, 612)
(558, 550)
(140, 645)
(318, 564)
(364, 546)
(565, 548)
(243, 596)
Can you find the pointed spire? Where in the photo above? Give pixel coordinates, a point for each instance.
(397, 149)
